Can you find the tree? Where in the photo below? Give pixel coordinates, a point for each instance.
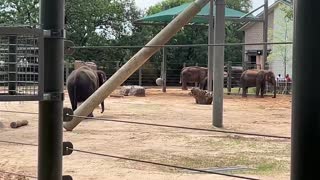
(283, 32)
(19, 12)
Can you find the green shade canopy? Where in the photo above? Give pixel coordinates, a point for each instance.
(201, 18)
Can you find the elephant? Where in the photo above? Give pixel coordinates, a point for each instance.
(193, 74)
(82, 83)
(257, 78)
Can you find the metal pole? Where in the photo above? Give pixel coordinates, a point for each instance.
(51, 106)
(12, 67)
(135, 62)
(210, 48)
(164, 69)
(219, 37)
(305, 135)
(265, 35)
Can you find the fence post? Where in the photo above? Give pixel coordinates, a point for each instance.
(164, 70)
(140, 76)
(117, 65)
(12, 65)
(51, 104)
(184, 64)
(229, 77)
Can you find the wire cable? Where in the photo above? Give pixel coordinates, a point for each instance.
(180, 45)
(16, 174)
(18, 143)
(161, 164)
(167, 126)
(20, 112)
(182, 127)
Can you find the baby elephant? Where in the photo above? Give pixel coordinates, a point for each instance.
(82, 83)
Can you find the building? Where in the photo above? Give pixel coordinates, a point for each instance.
(280, 29)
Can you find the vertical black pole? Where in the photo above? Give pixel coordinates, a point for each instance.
(12, 65)
(210, 48)
(50, 108)
(305, 105)
(265, 35)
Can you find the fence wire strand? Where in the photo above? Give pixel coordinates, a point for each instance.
(182, 127)
(20, 112)
(18, 143)
(16, 174)
(161, 164)
(180, 45)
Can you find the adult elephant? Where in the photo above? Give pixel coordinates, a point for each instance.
(193, 74)
(83, 82)
(257, 78)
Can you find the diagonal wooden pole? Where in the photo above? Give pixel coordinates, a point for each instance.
(135, 63)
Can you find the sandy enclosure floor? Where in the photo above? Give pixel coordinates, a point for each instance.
(266, 158)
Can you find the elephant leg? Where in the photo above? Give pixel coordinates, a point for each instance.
(244, 91)
(263, 89)
(102, 107)
(258, 88)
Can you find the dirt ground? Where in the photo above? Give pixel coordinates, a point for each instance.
(264, 158)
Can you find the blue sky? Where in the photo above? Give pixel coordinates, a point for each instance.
(143, 4)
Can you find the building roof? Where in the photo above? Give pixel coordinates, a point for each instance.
(201, 18)
(270, 10)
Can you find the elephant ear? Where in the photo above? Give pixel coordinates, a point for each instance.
(102, 77)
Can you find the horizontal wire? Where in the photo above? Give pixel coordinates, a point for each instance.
(181, 45)
(19, 143)
(20, 112)
(161, 164)
(182, 127)
(5, 172)
(168, 126)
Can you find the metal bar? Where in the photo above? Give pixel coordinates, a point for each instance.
(19, 97)
(135, 62)
(219, 37)
(164, 70)
(210, 48)
(20, 31)
(256, 9)
(13, 65)
(305, 146)
(265, 35)
(51, 109)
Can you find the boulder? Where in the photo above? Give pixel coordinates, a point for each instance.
(133, 91)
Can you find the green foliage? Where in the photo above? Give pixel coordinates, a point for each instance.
(19, 12)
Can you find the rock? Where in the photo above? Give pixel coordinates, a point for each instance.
(133, 91)
(137, 91)
(201, 96)
(125, 90)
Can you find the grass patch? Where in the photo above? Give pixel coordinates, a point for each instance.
(264, 158)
